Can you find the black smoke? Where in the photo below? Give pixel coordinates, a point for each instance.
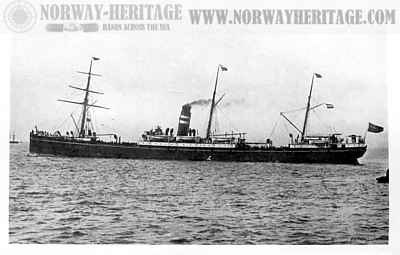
(233, 102)
(200, 102)
(206, 102)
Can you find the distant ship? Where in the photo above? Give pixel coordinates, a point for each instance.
(186, 144)
(12, 140)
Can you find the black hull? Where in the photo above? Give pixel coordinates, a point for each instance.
(382, 179)
(59, 147)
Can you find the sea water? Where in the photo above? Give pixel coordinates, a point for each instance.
(90, 201)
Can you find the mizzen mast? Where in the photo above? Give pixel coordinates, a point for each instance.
(213, 104)
(303, 133)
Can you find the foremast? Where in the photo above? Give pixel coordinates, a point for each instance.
(86, 101)
(85, 104)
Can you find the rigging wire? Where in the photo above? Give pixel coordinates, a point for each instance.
(216, 122)
(79, 121)
(108, 127)
(286, 127)
(326, 125)
(92, 122)
(296, 110)
(69, 94)
(226, 117)
(273, 129)
(57, 127)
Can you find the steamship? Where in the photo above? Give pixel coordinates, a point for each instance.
(187, 144)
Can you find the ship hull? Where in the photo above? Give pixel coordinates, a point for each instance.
(71, 148)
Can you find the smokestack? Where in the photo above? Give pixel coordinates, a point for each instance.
(184, 120)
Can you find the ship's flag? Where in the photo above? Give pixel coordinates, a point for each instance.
(94, 58)
(330, 106)
(374, 128)
(318, 75)
(223, 68)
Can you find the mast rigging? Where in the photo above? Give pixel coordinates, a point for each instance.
(85, 104)
(213, 104)
(303, 133)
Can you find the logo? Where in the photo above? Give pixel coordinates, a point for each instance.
(20, 16)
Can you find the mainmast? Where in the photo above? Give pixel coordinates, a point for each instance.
(208, 133)
(303, 133)
(85, 104)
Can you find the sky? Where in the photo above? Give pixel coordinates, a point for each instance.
(148, 76)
